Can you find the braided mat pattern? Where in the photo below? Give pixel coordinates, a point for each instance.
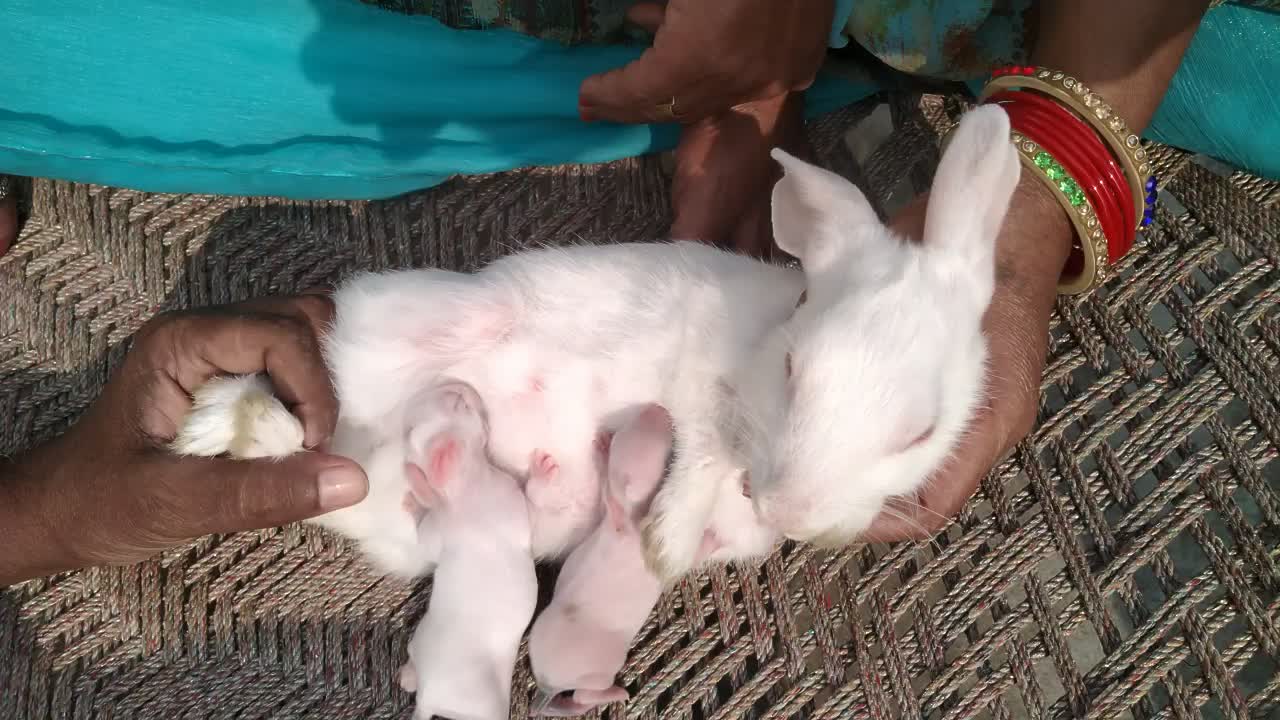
(1122, 563)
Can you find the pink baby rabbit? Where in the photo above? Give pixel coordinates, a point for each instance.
(463, 652)
(604, 592)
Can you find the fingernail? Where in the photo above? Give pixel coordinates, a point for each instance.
(583, 114)
(341, 487)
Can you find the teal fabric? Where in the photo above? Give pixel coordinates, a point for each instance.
(838, 39)
(336, 99)
(298, 98)
(1225, 100)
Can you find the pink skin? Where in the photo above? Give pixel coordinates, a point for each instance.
(463, 652)
(604, 592)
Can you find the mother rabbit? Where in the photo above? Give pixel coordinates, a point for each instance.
(828, 390)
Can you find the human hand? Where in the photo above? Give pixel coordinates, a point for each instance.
(1030, 253)
(724, 176)
(109, 492)
(711, 56)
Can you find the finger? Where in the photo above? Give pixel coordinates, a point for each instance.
(283, 346)
(631, 93)
(647, 15)
(315, 306)
(221, 496)
(316, 309)
(696, 98)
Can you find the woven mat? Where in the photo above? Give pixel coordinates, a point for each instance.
(1123, 563)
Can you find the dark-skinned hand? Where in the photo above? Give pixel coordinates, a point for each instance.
(735, 70)
(109, 492)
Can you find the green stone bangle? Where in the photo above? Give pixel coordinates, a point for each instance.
(1093, 244)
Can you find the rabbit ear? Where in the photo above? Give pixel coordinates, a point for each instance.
(430, 480)
(813, 209)
(972, 189)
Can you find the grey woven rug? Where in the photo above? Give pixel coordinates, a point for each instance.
(1123, 563)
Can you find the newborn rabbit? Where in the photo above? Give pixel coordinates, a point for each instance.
(834, 407)
(604, 592)
(463, 652)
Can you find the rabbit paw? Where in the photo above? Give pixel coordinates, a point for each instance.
(673, 534)
(675, 529)
(238, 416)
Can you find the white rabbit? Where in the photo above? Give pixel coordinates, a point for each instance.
(464, 650)
(886, 360)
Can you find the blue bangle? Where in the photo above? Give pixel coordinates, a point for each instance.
(844, 8)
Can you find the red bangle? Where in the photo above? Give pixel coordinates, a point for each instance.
(1039, 128)
(1064, 144)
(1124, 144)
(1025, 119)
(1103, 161)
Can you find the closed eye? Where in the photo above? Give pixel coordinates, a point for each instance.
(920, 439)
(788, 365)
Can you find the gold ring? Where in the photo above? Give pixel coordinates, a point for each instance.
(668, 110)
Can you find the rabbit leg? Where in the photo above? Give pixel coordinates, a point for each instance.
(676, 526)
(241, 417)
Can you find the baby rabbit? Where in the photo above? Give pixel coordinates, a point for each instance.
(463, 652)
(829, 409)
(604, 592)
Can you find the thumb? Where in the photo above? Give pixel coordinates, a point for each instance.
(223, 495)
(647, 15)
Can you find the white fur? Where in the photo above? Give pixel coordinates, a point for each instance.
(240, 415)
(888, 343)
(463, 652)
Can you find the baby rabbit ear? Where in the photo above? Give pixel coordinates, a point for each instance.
(972, 189)
(813, 209)
(430, 480)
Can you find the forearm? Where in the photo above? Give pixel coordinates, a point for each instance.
(29, 545)
(1127, 52)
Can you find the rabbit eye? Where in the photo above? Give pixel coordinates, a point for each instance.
(921, 439)
(788, 364)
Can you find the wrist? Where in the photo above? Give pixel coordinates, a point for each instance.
(1036, 240)
(33, 545)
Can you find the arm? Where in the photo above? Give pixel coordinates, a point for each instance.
(31, 548)
(1127, 52)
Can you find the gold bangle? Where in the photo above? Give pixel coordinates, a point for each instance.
(1072, 198)
(1124, 144)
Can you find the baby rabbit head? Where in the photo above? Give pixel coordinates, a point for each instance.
(862, 394)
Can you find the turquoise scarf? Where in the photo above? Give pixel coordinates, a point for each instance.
(335, 99)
